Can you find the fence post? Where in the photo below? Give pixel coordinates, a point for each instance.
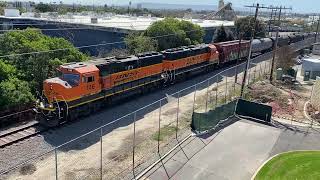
(207, 95)
(234, 84)
(260, 71)
(177, 125)
(226, 90)
(249, 71)
(134, 143)
(194, 97)
(56, 162)
(217, 90)
(159, 127)
(265, 67)
(254, 73)
(101, 150)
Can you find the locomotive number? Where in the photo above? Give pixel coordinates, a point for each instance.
(90, 87)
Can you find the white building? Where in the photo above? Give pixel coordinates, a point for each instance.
(11, 13)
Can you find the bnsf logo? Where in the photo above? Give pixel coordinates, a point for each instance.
(127, 75)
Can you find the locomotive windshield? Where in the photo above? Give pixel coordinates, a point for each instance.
(72, 79)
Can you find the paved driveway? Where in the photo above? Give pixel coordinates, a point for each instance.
(234, 153)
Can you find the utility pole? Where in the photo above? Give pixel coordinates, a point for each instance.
(239, 53)
(253, 31)
(315, 39)
(252, 37)
(275, 47)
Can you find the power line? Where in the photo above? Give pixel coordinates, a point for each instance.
(86, 46)
(277, 9)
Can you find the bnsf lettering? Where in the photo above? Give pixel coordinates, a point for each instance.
(127, 75)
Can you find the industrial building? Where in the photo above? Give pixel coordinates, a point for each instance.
(88, 28)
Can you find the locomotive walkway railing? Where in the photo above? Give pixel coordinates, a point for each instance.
(125, 147)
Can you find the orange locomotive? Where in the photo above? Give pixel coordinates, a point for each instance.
(87, 86)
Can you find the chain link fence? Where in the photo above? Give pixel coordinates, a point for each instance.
(124, 148)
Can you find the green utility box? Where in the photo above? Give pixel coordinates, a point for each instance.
(279, 74)
(306, 76)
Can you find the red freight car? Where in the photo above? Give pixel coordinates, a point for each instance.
(228, 51)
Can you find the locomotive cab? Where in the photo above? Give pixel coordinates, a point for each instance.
(76, 80)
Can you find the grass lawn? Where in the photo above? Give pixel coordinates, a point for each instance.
(303, 165)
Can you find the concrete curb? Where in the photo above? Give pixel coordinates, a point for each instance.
(295, 123)
(265, 162)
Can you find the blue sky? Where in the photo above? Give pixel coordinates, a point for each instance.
(310, 6)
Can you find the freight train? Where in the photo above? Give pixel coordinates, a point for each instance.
(85, 87)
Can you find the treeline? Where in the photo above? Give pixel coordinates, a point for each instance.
(63, 9)
(165, 34)
(243, 27)
(22, 72)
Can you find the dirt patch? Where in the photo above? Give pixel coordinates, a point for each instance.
(27, 169)
(171, 111)
(287, 100)
(125, 149)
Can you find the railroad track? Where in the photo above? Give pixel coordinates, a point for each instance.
(21, 134)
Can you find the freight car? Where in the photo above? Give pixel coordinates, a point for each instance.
(282, 40)
(85, 87)
(295, 38)
(229, 51)
(262, 45)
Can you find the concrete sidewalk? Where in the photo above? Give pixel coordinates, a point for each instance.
(233, 153)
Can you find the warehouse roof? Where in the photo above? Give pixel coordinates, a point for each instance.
(117, 21)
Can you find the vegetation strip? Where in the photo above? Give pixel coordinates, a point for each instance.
(290, 165)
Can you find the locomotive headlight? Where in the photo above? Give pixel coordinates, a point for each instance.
(50, 106)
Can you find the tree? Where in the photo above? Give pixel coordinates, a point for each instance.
(14, 92)
(138, 43)
(285, 58)
(222, 35)
(35, 68)
(245, 25)
(117, 53)
(230, 36)
(41, 7)
(174, 33)
(6, 71)
(3, 5)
